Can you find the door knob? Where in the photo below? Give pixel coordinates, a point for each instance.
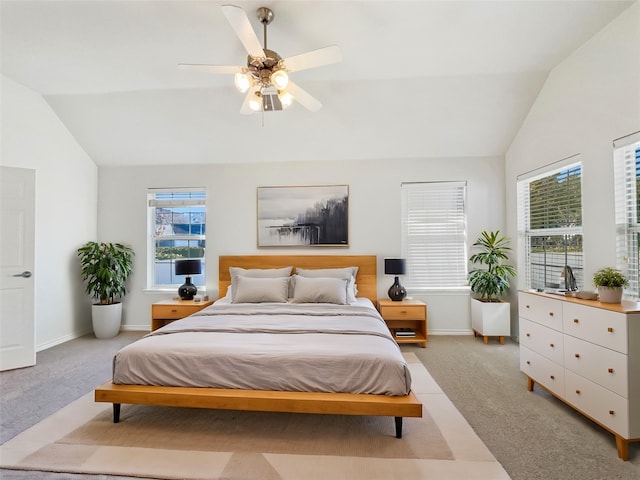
(25, 274)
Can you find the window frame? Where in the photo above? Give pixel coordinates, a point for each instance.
(526, 233)
(152, 204)
(426, 272)
(626, 160)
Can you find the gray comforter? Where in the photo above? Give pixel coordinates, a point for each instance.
(287, 347)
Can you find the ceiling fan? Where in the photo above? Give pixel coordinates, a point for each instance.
(265, 78)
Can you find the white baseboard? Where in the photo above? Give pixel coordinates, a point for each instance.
(450, 332)
(63, 339)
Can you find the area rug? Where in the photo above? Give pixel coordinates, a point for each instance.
(194, 444)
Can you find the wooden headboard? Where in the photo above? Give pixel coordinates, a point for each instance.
(366, 278)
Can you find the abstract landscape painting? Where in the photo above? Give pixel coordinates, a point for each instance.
(303, 216)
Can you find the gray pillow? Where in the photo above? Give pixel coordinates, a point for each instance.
(320, 290)
(256, 273)
(347, 273)
(261, 289)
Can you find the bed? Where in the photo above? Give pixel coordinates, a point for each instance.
(224, 318)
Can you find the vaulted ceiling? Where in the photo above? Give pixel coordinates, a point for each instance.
(418, 79)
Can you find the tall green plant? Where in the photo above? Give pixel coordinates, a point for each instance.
(105, 268)
(491, 281)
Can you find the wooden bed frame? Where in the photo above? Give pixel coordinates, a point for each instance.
(275, 401)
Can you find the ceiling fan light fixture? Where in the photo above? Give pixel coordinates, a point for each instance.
(285, 97)
(243, 81)
(255, 103)
(280, 79)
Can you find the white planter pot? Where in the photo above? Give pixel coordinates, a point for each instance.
(491, 319)
(106, 320)
(610, 294)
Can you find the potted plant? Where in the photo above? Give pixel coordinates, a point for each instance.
(610, 283)
(490, 315)
(105, 268)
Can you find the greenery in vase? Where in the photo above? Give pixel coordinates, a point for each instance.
(609, 277)
(491, 281)
(105, 268)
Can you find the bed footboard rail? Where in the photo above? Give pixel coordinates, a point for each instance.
(262, 400)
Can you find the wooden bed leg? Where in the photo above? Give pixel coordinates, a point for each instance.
(398, 427)
(116, 412)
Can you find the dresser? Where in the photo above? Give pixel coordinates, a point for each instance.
(587, 354)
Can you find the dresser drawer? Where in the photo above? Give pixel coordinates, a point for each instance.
(598, 364)
(604, 406)
(545, 311)
(596, 325)
(543, 340)
(173, 312)
(403, 312)
(542, 370)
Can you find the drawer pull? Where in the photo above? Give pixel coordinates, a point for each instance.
(527, 306)
(403, 311)
(551, 314)
(576, 321)
(577, 392)
(552, 345)
(612, 412)
(577, 355)
(552, 377)
(174, 310)
(528, 362)
(528, 334)
(610, 370)
(610, 330)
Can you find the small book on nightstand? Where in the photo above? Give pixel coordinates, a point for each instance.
(404, 332)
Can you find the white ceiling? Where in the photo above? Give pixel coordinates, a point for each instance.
(418, 79)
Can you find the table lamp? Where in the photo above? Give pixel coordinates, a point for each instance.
(396, 266)
(188, 268)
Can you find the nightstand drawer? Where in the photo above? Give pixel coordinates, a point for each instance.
(402, 312)
(173, 312)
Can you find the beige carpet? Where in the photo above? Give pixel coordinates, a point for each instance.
(174, 443)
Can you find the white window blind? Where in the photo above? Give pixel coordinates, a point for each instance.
(627, 209)
(550, 228)
(434, 235)
(176, 230)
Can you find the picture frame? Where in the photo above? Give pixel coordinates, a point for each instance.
(303, 216)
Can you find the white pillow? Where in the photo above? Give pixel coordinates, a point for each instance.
(256, 273)
(320, 290)
(261, 289)
(347, 273)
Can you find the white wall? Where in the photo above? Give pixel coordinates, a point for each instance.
(374, 196)
(589, 99)
(66, 209)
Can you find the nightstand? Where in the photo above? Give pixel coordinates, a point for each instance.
(167, 311)
(407, 320)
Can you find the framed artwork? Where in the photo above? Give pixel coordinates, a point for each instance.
(310, 216)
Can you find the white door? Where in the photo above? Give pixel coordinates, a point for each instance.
(17, 240)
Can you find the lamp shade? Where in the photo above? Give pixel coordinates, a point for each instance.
(188, 267)
(395, 266)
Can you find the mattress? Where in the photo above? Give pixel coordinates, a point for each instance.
(271, 346)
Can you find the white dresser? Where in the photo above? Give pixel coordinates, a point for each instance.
(587, 354)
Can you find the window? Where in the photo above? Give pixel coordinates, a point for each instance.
(550, 227)
(627, 209)
(176, 230)
(434, 235)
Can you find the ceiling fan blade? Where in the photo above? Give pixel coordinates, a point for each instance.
(241, 25)
(314, 58)
(245, 109)
(306, 100)
(201, 67)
